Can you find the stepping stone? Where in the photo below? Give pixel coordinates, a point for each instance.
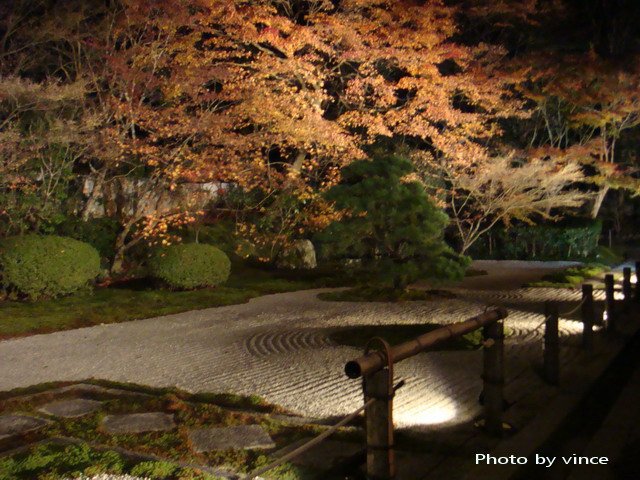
(241, 437)
(86, 389)
(138, 423)
(12, 425)
(77, 407)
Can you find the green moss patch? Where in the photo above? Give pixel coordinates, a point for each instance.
(570, 277)
(609, 256)
(155, 454)
(475, 272)
(142, 299)
(54, 461)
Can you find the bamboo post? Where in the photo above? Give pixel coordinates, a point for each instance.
(551, 354)
(493, 377)
(626, 284)
(379, 423)
(637, 281)
(609, 302)
(587, 316)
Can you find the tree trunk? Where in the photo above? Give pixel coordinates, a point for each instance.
(120, 247)
(466, 244)
(117, 265)
(598, 201)
(298, 162)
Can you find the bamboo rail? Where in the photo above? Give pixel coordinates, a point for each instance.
(374, 361)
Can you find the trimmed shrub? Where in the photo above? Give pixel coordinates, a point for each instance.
(191, 265)
(221, 234)
(100, 233)
(46, 266)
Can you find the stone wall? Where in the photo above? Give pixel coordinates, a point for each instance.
(126, 195)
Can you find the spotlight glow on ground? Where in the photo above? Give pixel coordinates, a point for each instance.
(428, 416)
(571, 327)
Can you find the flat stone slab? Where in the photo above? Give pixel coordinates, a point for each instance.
(241, 437)
(12, 425)
(138, 423)
(77, 407)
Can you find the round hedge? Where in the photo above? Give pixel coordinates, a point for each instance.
(191, 265)
(46, 266)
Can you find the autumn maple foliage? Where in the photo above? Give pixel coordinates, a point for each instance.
(276, 96)
(575, 64)
(598, 101)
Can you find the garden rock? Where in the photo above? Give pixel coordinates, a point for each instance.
(302, 254)
(138, 423)
(241, 437)
(12, 425)
(77, 407)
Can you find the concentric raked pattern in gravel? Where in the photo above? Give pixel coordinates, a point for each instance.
(277, 347)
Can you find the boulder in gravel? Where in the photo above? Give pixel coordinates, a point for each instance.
(300, 255)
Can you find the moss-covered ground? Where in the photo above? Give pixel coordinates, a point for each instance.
(143, 299)
(571, 277)
(92, 455)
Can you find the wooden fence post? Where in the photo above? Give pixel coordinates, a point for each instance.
(626, 284)
(587, 316)
(609, 302)
(493, 377)
(379, 420)
(551, 354)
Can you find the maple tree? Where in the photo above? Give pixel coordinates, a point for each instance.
(576, 66)
(95, 46)
(275, 97)
(507, 189)
(595, 103)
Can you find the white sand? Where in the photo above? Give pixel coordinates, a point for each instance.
(276, 346)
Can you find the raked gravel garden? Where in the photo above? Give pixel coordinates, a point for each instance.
(280, 348)
(288, 350)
